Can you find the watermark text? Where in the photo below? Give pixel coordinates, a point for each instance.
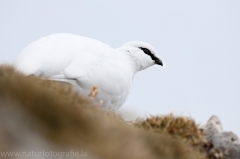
(44, 153)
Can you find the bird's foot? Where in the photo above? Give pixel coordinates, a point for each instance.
(93, 92)
(93, 95)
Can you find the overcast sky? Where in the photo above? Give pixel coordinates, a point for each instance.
(198, 41)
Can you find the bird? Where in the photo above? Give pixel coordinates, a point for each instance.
(85, 62)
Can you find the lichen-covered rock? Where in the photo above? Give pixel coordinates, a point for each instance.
(226, 141)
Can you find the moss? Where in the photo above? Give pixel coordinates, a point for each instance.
(66, 118)
(181, 128)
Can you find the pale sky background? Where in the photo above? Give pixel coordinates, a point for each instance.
(198, 41)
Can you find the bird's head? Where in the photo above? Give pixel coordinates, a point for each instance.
(143, 54)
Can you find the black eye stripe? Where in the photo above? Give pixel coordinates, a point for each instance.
(154, 58)
(148, 52)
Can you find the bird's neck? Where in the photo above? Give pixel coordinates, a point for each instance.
(131, 62)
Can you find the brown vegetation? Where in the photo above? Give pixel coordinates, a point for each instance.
(181, 128)
(39, 114)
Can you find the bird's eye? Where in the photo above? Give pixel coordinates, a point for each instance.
(155, 59)
(232, 139)
(148, 52)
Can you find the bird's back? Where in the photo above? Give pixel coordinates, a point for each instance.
(51, 54)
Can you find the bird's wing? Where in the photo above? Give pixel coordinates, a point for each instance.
(77, 69)
(112, 83)
(91, 70)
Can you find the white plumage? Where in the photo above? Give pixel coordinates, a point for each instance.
(86, 62)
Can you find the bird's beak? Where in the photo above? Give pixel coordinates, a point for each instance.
(158, 62)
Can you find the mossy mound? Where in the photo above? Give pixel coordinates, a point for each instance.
(53, 113)
(181, 128)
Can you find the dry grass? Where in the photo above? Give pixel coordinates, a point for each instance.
(62, 117)
(181, 128)
(178, 127)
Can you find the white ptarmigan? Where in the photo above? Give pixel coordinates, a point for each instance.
(86, 62)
